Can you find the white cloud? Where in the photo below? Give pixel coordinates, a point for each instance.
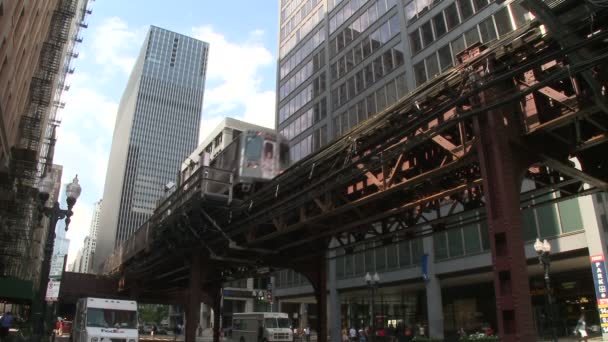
(113, 45)
(234, 80)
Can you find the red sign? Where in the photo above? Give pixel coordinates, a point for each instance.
(599, 257)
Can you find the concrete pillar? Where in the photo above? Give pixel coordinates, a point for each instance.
(434, 302)
(303, 315)
(194, 298)
(335, 324)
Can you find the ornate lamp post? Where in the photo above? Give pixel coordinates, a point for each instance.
(543, 249)
(54, 213)
(373, 283)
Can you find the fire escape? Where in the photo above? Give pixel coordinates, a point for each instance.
(32, 156)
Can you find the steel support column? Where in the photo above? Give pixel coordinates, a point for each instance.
(315, 270)
(217, 315)
(193, 306)
(502, 168)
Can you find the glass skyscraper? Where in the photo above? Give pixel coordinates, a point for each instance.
(342, 61)
(156, 128)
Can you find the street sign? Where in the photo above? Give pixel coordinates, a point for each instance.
(52, 290)
(57, 265)
(598, 269)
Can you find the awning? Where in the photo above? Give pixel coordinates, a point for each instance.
(16, 290)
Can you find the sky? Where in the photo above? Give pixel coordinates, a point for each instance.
(241, 79)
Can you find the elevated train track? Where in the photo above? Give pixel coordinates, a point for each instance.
(517, 108)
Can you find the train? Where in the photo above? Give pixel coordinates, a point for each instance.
(253, 157)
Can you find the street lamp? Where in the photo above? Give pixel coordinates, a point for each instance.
(373, 283)
(543, 249)
(54, 213)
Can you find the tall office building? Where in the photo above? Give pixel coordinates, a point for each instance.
(342, 61)
(156, 128)
(90, 241)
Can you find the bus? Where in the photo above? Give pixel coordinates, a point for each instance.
(261, 327)
(102, 319)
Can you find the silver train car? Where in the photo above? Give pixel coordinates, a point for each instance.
(253, 158)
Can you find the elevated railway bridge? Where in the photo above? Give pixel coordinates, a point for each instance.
(521, 107)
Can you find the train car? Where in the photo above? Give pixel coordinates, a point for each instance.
(254, 157)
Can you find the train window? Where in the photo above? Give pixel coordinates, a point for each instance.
(268, 150)
(253, 147)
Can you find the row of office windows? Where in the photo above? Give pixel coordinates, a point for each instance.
(471, 238)
(314, 65)
(499, 24)
(418, 8)
(370, 105)
(546, 222)
(302, 31)
(297, 102)
(288, 26)
(380, 258)
(371, 73)
(299, 125)
(319, 138)
(316, 88)
(301, 149)
(302, 52)
(365, 20)
(313, 115)
(360, 52)
(443, 22)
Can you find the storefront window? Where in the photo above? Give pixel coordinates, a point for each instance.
(380, 259)
(404, 253)
(570, 215)
(529, 223)
(547, 217)
(369, 258)
(392, 257)
(441, 246)
(455, 242)
(472, 241)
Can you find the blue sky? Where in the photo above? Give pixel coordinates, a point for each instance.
(241, 78)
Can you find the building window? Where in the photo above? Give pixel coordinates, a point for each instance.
(451, 16)
(419, 73)
(415, 41)
(432, 66)
(439, 25)
(445, 57)
(427, 33)
(466, 9)
(488, 31)
(503, 21)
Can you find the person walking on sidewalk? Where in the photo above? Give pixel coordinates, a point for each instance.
(581, 328)
(6, 323)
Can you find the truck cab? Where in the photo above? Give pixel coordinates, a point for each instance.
(261, 327)
(105, 320)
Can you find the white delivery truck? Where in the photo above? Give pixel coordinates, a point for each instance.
(261, 327)
(105, 320)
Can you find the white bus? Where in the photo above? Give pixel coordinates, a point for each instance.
(261, 327)
(101, 319)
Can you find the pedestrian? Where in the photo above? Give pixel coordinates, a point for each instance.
(362, 335)
(6, 323)
(307, 333)
(352, 333)
(581, 328)
(153, 330)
